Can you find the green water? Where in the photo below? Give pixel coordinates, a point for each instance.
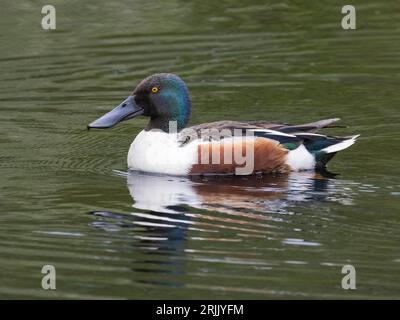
(66, 199)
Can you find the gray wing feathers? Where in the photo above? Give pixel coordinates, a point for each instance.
(189, 134)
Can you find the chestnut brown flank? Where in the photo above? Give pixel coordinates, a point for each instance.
(268, 157)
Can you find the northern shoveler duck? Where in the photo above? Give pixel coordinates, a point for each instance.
(167, 146)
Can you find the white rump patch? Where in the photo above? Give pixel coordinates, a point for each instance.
(300, 159)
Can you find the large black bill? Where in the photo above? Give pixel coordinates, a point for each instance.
(128, 109)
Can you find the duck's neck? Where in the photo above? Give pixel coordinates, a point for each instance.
(168, 125)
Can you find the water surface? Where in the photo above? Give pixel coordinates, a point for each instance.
(67, 199)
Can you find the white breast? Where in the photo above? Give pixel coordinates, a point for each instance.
(159, 152)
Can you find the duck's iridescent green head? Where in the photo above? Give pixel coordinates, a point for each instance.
(163, 97)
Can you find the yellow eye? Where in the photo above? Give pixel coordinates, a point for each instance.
(154, 89)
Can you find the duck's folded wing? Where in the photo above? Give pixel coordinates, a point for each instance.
(276, 131)
(309, 127)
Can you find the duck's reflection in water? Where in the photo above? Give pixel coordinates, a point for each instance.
(231, 194)
(170, 211)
